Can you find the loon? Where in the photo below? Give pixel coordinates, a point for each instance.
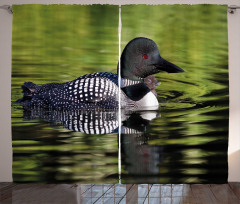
(140, 59)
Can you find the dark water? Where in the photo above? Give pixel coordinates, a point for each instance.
(185, 141)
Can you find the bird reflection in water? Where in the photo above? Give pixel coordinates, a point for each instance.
(95, 121)
(138, 158)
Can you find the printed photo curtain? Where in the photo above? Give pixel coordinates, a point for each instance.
(183, 140)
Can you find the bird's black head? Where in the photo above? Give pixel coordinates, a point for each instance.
(141, 58)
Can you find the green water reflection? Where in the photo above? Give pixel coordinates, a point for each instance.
(188, 143)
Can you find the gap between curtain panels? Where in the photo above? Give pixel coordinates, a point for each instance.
(119, 94)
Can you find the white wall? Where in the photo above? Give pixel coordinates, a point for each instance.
(5, 77)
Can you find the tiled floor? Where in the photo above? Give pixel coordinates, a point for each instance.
(107, 193)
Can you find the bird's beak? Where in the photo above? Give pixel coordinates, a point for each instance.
(172, 68)
(164, 65)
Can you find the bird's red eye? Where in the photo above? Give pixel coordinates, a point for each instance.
(145, 56)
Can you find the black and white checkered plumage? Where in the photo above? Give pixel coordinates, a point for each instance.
(91, 91)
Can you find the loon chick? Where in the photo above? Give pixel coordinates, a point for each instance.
(140, 59)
